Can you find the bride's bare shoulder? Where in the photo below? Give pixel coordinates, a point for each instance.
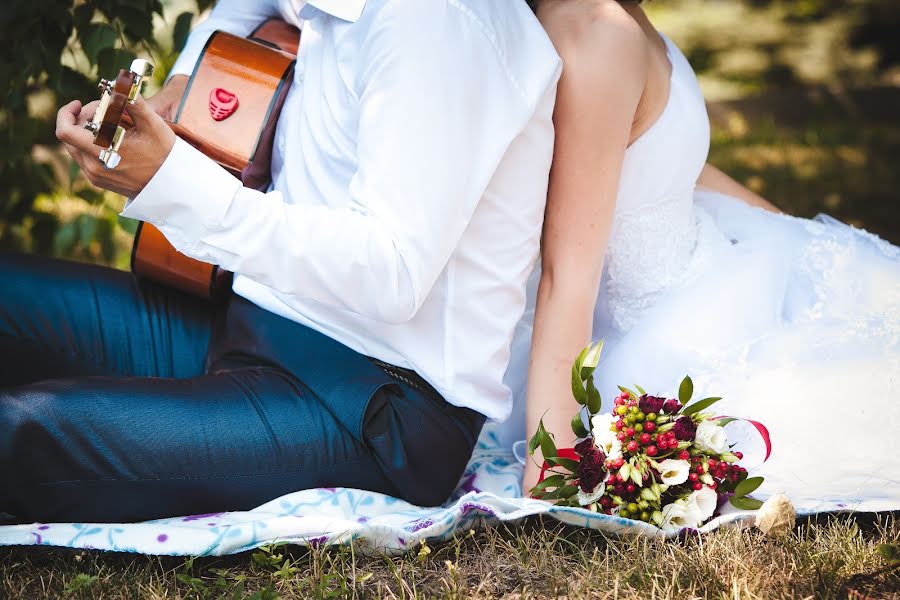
(596, 32)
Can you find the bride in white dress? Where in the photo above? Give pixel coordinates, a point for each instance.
(681, 270)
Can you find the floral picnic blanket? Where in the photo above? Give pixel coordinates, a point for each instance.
(489, 493)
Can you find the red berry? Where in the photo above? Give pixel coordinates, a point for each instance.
(619, 401)
(713, 463)
(645, 438)
(630, 488)
(619, 477)
(652, 451)
(620, 424)
(632, 446)
(621, 436)
(649, 426)
(740, 455)
(629, 432)
(619, 463)
(605, 501)
(684, 455)
(714, 484)
(698, 486)
(693, 477)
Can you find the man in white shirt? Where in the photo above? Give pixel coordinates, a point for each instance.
(377, 283)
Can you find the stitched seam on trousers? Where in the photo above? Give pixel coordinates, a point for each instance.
(197, 478)
(98, 363)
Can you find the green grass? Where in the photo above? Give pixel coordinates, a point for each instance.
(834, 557)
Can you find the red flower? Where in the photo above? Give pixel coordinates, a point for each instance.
(685, 429)
(671, 406)
(651, 404)
(585, 446)
(590, 470)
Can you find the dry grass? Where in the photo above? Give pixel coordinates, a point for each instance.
(836, 557)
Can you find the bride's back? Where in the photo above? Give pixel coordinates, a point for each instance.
(655, 227)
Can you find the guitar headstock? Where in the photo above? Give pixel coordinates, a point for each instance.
(106, 125)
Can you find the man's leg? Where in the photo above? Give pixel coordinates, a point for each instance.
(64, 319)
(116, 449)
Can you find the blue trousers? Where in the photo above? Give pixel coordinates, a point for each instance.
(121, 400)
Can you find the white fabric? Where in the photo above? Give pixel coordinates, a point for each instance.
(410, 175)
(795, 322)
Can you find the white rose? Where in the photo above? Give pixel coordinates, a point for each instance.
(604, 435)
(711, 437)
(677, 516)
(704, 501)
(674, 472)
(585, 498)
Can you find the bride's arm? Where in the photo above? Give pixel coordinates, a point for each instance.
(715, 180)
(605, 68)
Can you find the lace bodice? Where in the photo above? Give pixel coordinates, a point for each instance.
(658, 236)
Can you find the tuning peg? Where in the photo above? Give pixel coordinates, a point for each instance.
(104, 85)
(142, 68)
(110, 158)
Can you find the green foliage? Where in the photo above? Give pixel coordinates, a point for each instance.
(55, 51)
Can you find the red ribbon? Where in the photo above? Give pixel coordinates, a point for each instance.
(763, 433)
(562, 453)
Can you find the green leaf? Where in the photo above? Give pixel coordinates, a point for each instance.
(181, 30)
(699, 405)
(685, 391)
(726, 421)
(548, 448)
(577, 385)
(578, 427)
(95, 38)
(590, 360)
(565, 491)
(82, 15)
(745, 503)
(110, 60)
(640, 389)
(625, 390)
(593, 398)
(74, 170)
(567, 463)
(553, 481)
(748, 486)
(535, 440)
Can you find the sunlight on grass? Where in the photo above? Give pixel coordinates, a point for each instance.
(827, 559)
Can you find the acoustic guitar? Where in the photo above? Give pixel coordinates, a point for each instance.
(229, 111)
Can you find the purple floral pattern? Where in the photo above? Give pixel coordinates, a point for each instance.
(488, 493)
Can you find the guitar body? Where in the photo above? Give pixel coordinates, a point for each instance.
(229, 112)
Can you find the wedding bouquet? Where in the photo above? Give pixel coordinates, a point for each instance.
(660, 460)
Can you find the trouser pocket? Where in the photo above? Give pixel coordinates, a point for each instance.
(421, 446)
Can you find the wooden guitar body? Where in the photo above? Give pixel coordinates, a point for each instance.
(229, 112)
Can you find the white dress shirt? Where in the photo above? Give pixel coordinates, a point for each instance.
(409, 180)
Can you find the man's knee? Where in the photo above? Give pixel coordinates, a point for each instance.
(30, 418)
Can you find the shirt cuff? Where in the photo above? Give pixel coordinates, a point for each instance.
(187, 197)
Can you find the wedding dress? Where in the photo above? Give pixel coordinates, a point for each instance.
(795, 322)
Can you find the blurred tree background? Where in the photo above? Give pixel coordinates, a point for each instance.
(803, 96)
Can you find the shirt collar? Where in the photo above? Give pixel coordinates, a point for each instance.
(346, 10)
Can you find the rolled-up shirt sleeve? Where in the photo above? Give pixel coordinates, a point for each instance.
(437, 111)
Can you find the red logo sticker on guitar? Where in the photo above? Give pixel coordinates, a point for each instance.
(222, 104)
